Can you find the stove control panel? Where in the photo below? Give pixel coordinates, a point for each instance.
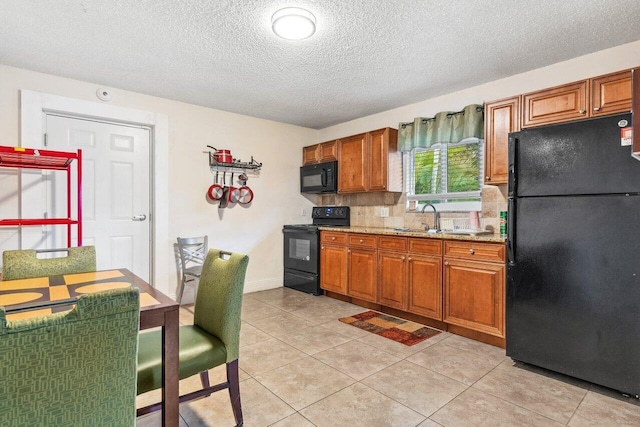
(338, 212)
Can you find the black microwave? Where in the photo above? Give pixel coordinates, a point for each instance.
(319, 178)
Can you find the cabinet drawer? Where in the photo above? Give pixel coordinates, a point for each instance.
(333, 237)
(425, 246)
(475, 251)
(362, 240)
(392, 243)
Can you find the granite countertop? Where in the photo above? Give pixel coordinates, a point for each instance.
(489, 238)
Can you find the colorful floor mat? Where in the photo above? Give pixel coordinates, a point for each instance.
(399, 330)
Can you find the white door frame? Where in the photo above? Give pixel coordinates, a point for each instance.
(34, 104)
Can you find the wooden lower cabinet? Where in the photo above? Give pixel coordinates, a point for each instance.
(333, 268)
(362, 270)
(474, 295)
(459, 285)
(425, 286)
(392, 272)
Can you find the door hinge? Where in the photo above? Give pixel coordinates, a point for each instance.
(45, 139)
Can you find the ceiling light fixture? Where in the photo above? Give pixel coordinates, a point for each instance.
(293, 23)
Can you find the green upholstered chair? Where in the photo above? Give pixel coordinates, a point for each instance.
(211, 341)
(73, 368)
(24, 264)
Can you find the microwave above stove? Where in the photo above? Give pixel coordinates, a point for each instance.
(319, 178)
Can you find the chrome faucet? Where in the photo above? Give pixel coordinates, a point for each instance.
(436, 214)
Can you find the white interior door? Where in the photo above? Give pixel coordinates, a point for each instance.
(115, 190)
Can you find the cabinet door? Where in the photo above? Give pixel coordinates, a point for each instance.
(425, 286)
(558, 104)
(378, 169)
(392, 268)
(362, 270)
(474, 295)
(310, 154)
(611, 94)
(353, 170)
(501, 117)
(328, 151)
(333, 268)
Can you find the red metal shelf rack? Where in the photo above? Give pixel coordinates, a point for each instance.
(32, 158)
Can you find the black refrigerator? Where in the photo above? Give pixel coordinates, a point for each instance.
(573, 244)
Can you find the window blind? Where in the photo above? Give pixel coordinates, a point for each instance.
(445, 172)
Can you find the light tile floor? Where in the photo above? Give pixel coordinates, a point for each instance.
(301, 367)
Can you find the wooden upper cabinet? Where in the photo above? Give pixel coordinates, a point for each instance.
(329, 151)
(500, 118)
(558, 104)
(383, 175)
(611, 94)
(318, 153)
(353, 169)
(370, 162)
(310, 154)
(595, 97)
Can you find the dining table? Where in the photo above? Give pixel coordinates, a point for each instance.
(39, 296)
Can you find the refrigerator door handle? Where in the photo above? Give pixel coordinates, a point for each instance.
(511, 231)
(513, 152)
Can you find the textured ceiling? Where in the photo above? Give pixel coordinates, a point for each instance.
(367, 56)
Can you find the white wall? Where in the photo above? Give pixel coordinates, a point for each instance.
(603, 62)
(255, 230)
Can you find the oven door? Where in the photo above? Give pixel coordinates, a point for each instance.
(301, 250)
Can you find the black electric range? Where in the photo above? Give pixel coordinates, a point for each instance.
(302, 248)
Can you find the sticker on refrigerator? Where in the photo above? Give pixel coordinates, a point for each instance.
(626, 136)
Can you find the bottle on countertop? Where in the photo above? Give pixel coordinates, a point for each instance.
(503, 223)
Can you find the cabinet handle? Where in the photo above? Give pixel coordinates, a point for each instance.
(402, 258)
(333, 238)
(582, 111)
(446, 263)
(322, 247)
(596, 108)
(348, 251)
(361, 241)
(471, 251)
(487, 178)
(410, 259)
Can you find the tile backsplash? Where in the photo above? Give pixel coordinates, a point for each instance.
(365, 209)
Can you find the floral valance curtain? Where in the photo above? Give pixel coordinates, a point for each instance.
(445, 127)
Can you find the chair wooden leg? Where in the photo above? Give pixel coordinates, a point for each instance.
(204, 379)
(234, 391)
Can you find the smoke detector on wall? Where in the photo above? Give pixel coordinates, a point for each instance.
(104, 94)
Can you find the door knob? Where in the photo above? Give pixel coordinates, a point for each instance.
(139, 217)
